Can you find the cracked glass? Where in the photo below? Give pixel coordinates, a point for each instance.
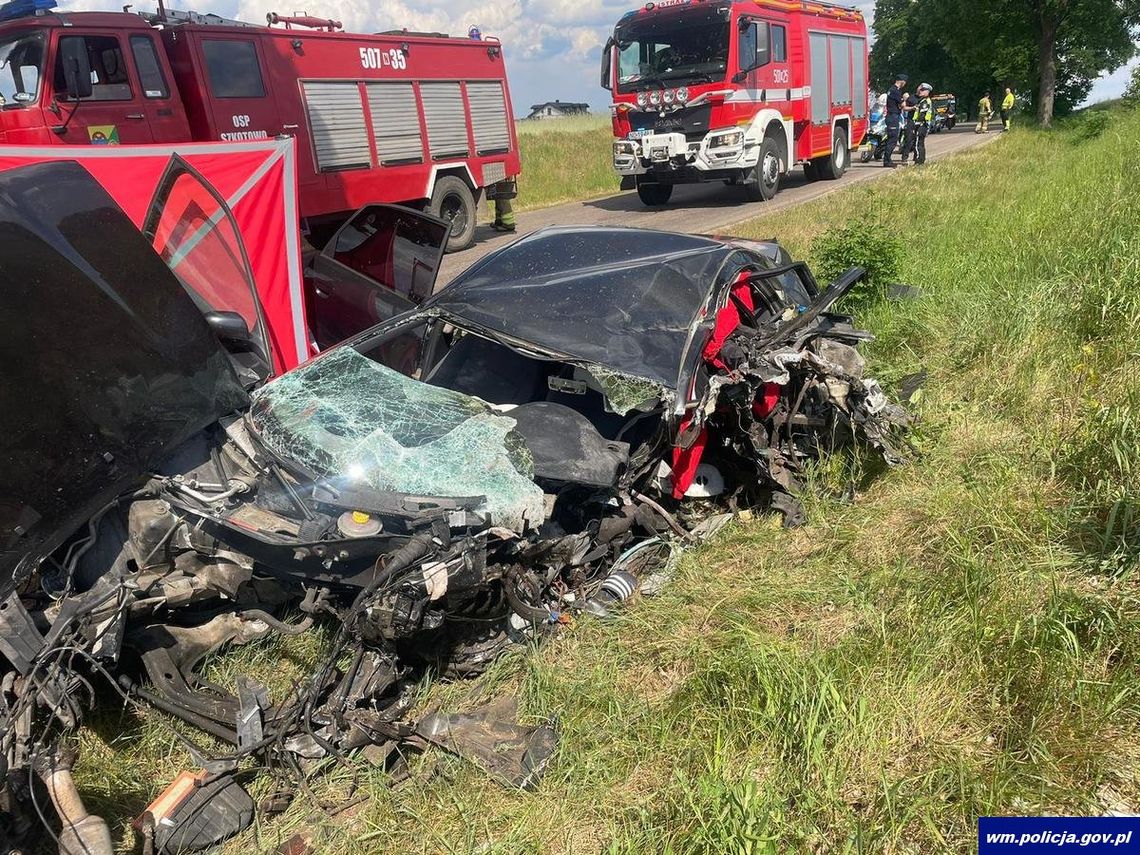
(624, 392)
(345, 416)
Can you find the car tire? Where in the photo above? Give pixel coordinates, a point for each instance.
(763, 182)
(834, 165)
(810, 171)
(654, 195)
(453, 202)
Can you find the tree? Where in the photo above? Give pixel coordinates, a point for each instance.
(1077, 40)
(1132, 92)
(1052, 48)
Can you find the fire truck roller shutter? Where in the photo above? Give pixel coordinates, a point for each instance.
(820, 96)
(489, 117)
(446, 119)
(336, 122)
(859, 78)
(395, 123)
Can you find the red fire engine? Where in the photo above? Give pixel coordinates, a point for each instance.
(736, 91)
(393, 117)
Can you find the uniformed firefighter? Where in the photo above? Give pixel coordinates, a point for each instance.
(894, 118)
(985, 110)
(923, 117)
(504, 216)
(1006, 108)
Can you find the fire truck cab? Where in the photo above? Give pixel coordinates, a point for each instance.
(738, 91)
(422, 119)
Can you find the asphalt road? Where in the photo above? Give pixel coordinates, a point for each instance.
(695, 207)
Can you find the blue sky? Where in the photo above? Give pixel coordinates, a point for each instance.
(552, 46)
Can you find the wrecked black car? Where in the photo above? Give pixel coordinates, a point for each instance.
(531, 441)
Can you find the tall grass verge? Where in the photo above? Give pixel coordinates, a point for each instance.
(961, 639)
(565, 160)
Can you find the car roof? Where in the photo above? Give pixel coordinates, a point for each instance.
(627, 299)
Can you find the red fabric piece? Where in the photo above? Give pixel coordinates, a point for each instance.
(254, 178)
(686, 460)
(766, 401)
(727, 320)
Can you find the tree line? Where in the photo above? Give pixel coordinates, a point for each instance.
(1049, 50)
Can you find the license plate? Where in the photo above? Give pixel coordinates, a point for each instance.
(639, 134)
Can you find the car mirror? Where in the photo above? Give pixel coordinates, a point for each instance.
(76, 68)
(229, 326)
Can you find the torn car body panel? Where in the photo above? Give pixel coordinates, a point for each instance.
(449, 482)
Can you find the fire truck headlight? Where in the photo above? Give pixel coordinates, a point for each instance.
(669, 96)
(682, 94)
(730, 139)
(642, 99)
(655, 98)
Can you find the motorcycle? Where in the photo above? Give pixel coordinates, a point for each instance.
(874, 144)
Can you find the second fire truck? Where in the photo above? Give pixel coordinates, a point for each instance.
(738, 91)
(404, 117)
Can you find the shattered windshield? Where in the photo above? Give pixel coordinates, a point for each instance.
(674, 49)
(21, 60)
(347, 418)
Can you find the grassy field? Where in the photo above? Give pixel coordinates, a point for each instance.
(963, 638)
(565, 160)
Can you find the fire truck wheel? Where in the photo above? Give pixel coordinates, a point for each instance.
(653, 195)
(452, 202)
(811, 173)
(762, 184)
(836, 164)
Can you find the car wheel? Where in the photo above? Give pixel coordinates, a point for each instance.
(654, 195)
(764, 181)
(811, 173)
(453, 203)
(836, 164)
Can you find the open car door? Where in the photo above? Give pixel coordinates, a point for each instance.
(383, 261)
(195, 233)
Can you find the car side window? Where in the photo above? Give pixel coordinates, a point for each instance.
(150, 71)
(233, 68)
(109, 81)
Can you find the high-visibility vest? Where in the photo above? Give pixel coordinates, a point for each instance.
(1007, 101)
(925, 111)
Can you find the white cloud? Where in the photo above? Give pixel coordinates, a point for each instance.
(552, 46)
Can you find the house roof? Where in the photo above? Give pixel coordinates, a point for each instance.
(562, 105)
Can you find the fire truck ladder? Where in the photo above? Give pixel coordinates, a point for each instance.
(178, 16)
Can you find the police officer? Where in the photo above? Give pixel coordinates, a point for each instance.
(894, 118)
(923, 116)
(985, 110)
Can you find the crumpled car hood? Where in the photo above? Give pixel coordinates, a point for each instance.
(108, 363)
(348, 419)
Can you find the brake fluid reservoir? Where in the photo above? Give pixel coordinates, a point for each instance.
(358, 524)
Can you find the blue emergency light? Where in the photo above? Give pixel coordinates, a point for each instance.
(24, 8)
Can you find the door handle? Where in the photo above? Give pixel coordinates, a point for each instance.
(289, 127)
(136, 116)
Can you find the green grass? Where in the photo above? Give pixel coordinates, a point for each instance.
(565, 160)
(961, 639)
